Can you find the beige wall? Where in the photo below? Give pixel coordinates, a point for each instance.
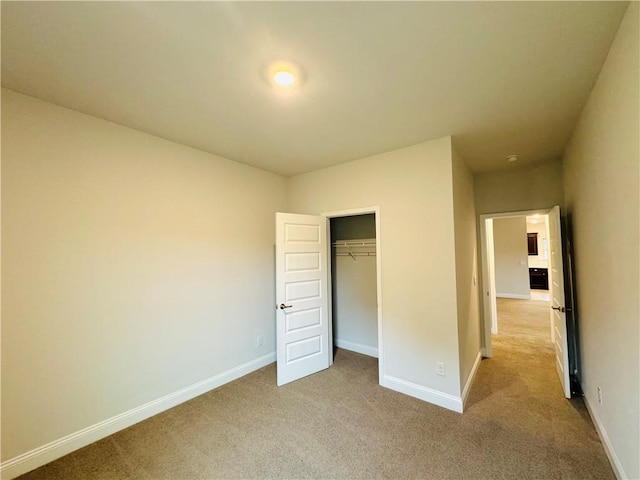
(519, 189)
(128, 262)
(132, 268)
(602, 194)
(413, 187)
(511, 257)
(466, 267)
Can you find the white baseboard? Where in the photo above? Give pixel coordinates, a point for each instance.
(356, 347)
(471, 378)
(445, 400)
(604, 438)
(51, 451)
(514, 295)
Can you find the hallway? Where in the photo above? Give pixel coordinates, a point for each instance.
(523, 324)
(521, 379)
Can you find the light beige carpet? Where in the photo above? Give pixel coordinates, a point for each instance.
(341, 424)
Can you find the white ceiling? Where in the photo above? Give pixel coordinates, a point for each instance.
(502, 78)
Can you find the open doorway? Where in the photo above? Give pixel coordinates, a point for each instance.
(523, 300)
(520, 265)
(355, 281)
(515, 251)
(523, 322)
(521, 276)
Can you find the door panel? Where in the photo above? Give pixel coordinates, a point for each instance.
(304, 319)
(302, 296)
(556, 288)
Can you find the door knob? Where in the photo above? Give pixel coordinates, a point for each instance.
(560, 309)
(283, 306)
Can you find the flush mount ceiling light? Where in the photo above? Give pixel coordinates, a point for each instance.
(513, 158)
(284, 75)
(283, 78)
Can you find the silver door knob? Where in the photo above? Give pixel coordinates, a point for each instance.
(283, 306)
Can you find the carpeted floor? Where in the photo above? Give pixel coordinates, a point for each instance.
(340, 424)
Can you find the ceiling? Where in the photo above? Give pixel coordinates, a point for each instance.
(501, 77)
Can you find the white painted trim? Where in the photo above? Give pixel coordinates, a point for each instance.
(350, 212)
(329, 290)
(521, 213)
(485, 294)
(357, 347)
(445, 400)
(604, 438)
(513, 295)
(51, 451)
(379, 293)
(471, 378)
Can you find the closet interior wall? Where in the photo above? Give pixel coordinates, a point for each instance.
(353, 283)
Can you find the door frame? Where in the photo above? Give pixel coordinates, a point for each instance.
(488, 274)
(375, 210)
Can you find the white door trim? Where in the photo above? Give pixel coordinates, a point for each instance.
(488, 277)
(363, 211)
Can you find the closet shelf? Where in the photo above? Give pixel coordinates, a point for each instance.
(365, 247)
(367, 242)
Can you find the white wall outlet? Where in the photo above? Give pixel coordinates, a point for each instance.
(260, 341)
(599, 395)
(440, 368)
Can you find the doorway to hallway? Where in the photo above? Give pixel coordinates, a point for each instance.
(508, 274)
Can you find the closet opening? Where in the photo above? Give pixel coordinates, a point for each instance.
(355, 289)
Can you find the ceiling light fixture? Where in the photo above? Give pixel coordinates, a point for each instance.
(284, 75)
(513, 158)
(284, 78)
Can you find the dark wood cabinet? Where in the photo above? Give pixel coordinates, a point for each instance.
(532, 243)
(539, 278)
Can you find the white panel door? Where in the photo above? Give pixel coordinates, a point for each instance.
(302, 331)
(556, 287)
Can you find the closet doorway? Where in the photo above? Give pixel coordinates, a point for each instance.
(355, 281)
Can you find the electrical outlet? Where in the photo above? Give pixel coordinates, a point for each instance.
(440, 368)
(259, 341)
(599, 395)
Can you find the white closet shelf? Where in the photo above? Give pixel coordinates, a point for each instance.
(367, 242)
(365, 247)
